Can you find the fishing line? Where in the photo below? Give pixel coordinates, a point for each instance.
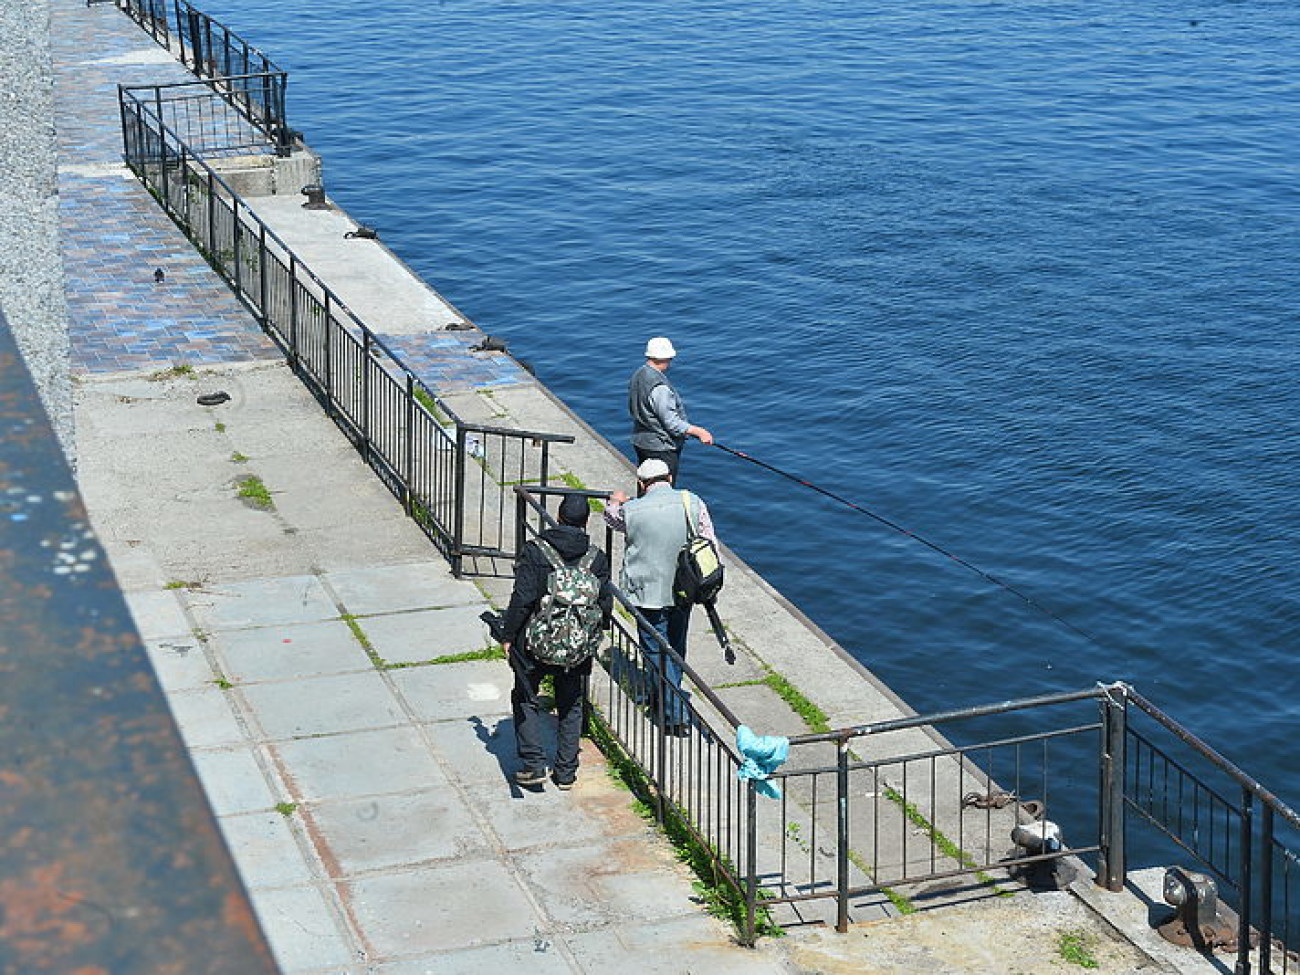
(1029, 600)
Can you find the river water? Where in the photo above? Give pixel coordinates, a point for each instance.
(1020, 277)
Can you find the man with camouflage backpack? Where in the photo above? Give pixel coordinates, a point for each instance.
(560, 603)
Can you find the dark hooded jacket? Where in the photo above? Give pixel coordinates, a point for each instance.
(533, 568)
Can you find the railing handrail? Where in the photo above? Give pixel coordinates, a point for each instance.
(178, 5)
(206, 82)
(1246, 781)
(944, 717)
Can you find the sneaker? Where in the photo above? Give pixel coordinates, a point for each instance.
(565, 784)
(530, 778)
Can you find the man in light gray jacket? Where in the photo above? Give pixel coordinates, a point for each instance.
(659, 423)
(657, 527)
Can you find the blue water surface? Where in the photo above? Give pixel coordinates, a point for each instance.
(1018, 276)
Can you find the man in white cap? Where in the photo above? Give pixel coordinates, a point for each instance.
(657, 527)
(659, 423)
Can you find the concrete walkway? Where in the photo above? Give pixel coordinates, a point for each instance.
(362, 784)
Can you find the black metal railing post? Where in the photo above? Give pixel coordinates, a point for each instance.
(328, 329)
(458, 503)
(1111, 869)
(1246, 854)
(661, 720)
(366, 365)
(261, 273)
(842, 836)
(751, 869)
(408, 457)
(294, 359)
(1266, 890)
(234, 246)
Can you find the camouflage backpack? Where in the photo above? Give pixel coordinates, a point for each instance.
(565, 628)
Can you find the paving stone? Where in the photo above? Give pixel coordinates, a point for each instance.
(301, 929)
(443, 692)
(323, 705)
(361, 763)
(525, 819)
(158, 614)
(427, 634)
(265, 849)
(607, 883)
(289, 650)
(698, 944)
(233, 780)
(389, 831)
(536, 956)
(435, 908)
(481, 750)
(206, 717)
(389, 588)
(180, 664)
(262, 602)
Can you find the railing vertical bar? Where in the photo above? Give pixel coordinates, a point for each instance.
(842, 835)
(1246, 853)
(1266, 889)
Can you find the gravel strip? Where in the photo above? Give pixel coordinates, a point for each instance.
(31, 268)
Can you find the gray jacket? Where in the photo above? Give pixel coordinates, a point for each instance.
(659, 420)
(656, 532)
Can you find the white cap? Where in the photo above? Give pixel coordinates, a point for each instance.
(652, 470)
(659, 348)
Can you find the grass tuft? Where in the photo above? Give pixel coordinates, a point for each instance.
(1075, 947)
(256, 493)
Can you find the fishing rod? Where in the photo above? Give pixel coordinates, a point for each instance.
(1029, 600)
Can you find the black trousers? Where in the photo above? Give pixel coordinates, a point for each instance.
(529, 714)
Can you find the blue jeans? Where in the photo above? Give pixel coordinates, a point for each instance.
(671, 623)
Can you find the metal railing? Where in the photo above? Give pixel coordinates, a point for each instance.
(248, 79)
(453, 477)
(879, 813)
(239, 90)
(236, 114)
(151, 15)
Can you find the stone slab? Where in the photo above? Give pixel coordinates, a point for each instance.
(536, 956)
(363, 763)
(180, 664)
(389, 831)
(427, 634)
(262, 602)
(206, 717)
(444, 692)
(266, 850)
(158, 614)
(289, 650)
(233, 780)
(459, 905)
(609, 883)
(390, 588)
(300, 926)
(323, 705)
(699, 944)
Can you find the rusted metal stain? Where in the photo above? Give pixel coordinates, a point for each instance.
(110, 858)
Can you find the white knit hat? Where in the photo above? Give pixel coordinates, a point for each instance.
(659, 348)
(652, 470)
